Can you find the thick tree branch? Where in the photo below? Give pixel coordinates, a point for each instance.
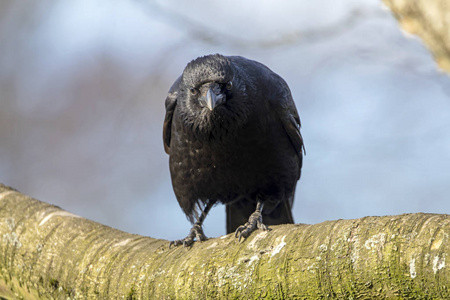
(430, 20)
(46, 252)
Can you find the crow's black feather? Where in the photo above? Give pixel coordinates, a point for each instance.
(243, 148)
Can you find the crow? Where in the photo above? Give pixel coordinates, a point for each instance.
(232, 133)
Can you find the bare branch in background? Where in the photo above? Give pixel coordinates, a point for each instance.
(200, 32)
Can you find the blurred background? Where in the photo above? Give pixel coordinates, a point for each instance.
(83, 84)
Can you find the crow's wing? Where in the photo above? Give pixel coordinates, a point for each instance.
(279, 97)
(284, 107)
(171, 103)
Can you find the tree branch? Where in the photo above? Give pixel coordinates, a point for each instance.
(46, 252)
(212, 36)
(430, 20)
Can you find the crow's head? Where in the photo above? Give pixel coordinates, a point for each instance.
(214, 95)
(209, 80)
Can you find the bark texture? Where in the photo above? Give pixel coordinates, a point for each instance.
(430, 20)
(48, 253)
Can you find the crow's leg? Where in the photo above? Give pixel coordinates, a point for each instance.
(254, 221)
(196, 230)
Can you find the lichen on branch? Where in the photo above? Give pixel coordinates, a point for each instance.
(48, 253)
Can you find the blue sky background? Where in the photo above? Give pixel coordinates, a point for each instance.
(83, 85)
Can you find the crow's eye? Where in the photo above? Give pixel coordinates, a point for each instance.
(193, 91)
(229, 85)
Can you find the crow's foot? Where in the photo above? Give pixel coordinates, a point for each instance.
(254, 222)
(195, 233)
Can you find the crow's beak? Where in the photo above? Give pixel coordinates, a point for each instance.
(211, 99)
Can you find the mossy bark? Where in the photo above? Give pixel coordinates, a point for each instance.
(48, 253)
(430, 20)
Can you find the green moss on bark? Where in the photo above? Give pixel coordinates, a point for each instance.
(48, 253)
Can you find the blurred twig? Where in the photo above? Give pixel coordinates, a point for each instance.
(211, 36)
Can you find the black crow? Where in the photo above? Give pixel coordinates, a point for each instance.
(233, 135)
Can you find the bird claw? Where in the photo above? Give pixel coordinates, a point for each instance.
(195, 233)
(254, 222)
